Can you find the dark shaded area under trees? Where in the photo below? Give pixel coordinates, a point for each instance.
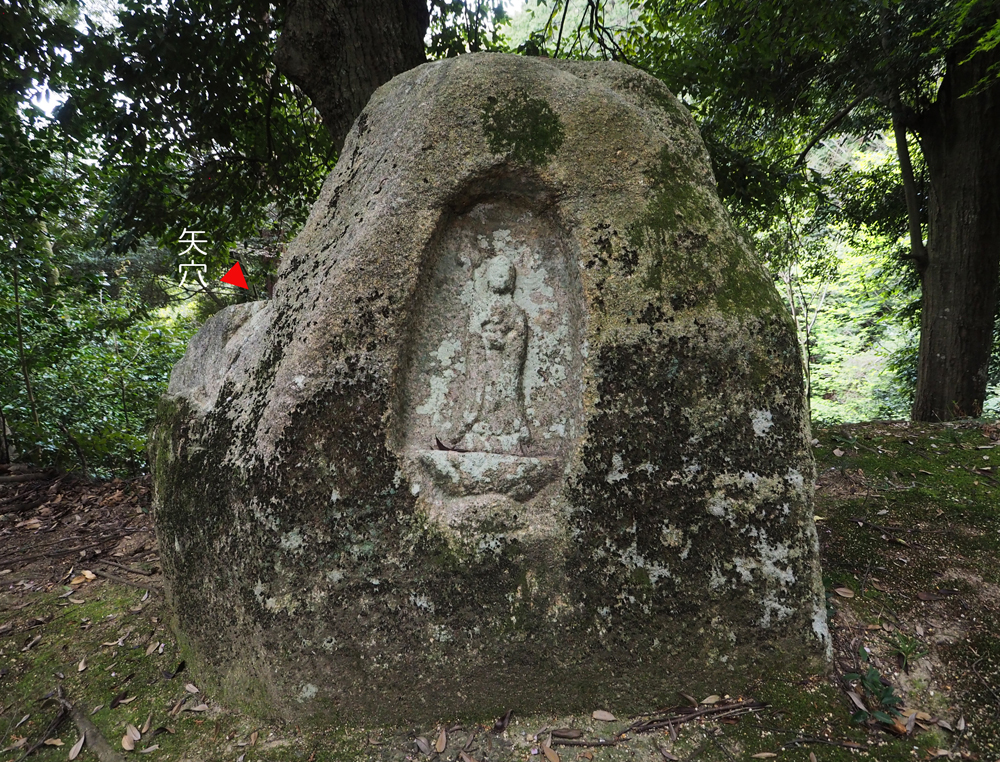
(223, 116)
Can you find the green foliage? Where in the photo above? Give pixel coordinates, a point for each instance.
(173, 119)
(843, 285)
(98, 359)
(466, 26)
(882, 700)
(197, 128)
(581, 29)
(908, 648)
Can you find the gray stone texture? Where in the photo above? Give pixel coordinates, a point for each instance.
(523, 425)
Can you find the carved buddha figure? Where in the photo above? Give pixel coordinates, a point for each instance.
(493, 418)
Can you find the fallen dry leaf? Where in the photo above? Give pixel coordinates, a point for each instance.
(501, 724)
(763, 755)
(442, 741)
(53, 742)
(600, 714)
(75, 751)
(151, 647)
(199, 708)
(34, 642)
(128, 700)
(148, 749)
(838, 452)
(423, 744)
(550, 753)
(127, 743)
(713, 699)
(465, 757)
(82, 665)
(844, 592)
(148, 724)
(857, 701)
(253, 738)
(191, 688)
(133, 732)
(89, 575)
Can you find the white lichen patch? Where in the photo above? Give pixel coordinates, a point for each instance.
(293, 541)
(716, 579)
(671, 536)
(307, 693)
(422, 602)
(617, 471)
(762, 422)
(657, 572)
(820, 626)
(774, 609)
(795, 479)
(258, 591)
(718, 505)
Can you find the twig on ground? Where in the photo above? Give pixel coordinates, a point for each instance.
(824, 742)
(667, 719)
(983, 679)
(580, 742)
(95, 741)
(126, 568)
(122, 581)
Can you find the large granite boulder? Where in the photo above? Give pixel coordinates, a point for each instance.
(523, 425)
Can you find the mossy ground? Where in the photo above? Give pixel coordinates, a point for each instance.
(910, 541)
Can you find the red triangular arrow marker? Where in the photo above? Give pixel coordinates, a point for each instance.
(235, 277)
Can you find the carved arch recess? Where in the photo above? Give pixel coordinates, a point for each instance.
(491, 397)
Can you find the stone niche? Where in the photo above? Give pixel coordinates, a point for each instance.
(523, 425)
(491, 397)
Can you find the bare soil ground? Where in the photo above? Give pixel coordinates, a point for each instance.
(909, 523)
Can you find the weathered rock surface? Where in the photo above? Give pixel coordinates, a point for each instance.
(523, 425)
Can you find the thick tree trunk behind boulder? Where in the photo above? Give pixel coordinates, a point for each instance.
(960, 281)
(340, 51)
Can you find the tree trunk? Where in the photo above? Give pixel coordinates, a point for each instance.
(962, 149)
(340, 51)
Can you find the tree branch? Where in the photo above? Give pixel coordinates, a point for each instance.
(561, 23)
(834, 121)
(917, 249)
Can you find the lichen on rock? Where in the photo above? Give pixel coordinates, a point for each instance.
(523, 424)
